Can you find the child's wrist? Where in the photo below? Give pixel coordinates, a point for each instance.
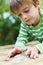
(21, 46)
(37, 49)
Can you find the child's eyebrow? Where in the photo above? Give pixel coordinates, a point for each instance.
(25, 8)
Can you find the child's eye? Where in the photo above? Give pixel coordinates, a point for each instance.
(26, 11)
(19, 15)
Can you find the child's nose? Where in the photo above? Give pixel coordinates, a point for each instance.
(24, 16)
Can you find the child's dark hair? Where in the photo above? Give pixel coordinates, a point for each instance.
(14, 4)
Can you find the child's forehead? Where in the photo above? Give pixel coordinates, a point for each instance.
(23, 7)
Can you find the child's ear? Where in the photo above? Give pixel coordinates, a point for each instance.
(37, 3)
(38, 6)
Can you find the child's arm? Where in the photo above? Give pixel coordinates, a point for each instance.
(22, 38)
(20, 43)
(40, 47)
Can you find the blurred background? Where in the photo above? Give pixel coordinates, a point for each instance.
(9, 23)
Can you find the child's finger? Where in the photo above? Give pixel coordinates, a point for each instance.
(25, 48)
(7, 59)
(27, 52)
(33, 55)
(36, 56)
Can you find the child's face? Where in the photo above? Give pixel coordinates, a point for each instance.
(28, 13)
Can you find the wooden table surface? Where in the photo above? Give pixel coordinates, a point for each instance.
(20, 59)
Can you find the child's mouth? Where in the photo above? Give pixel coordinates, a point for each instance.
(28, 20)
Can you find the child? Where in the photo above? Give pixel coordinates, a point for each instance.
(31, 27)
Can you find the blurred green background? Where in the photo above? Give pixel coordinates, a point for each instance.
(9, 24)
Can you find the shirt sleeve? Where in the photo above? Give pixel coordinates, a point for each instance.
(22, 38)
(40, 47)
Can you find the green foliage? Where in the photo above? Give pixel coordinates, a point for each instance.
(41, 1)
(9, 30)
(9, 25)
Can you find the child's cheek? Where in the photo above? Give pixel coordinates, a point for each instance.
(32, 16)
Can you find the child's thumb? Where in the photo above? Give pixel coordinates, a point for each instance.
(25, 49)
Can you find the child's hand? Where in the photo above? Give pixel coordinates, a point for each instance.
(12, 53)
(32, 52)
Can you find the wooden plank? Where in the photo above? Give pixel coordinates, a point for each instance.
(20, 59)
(6, 47)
